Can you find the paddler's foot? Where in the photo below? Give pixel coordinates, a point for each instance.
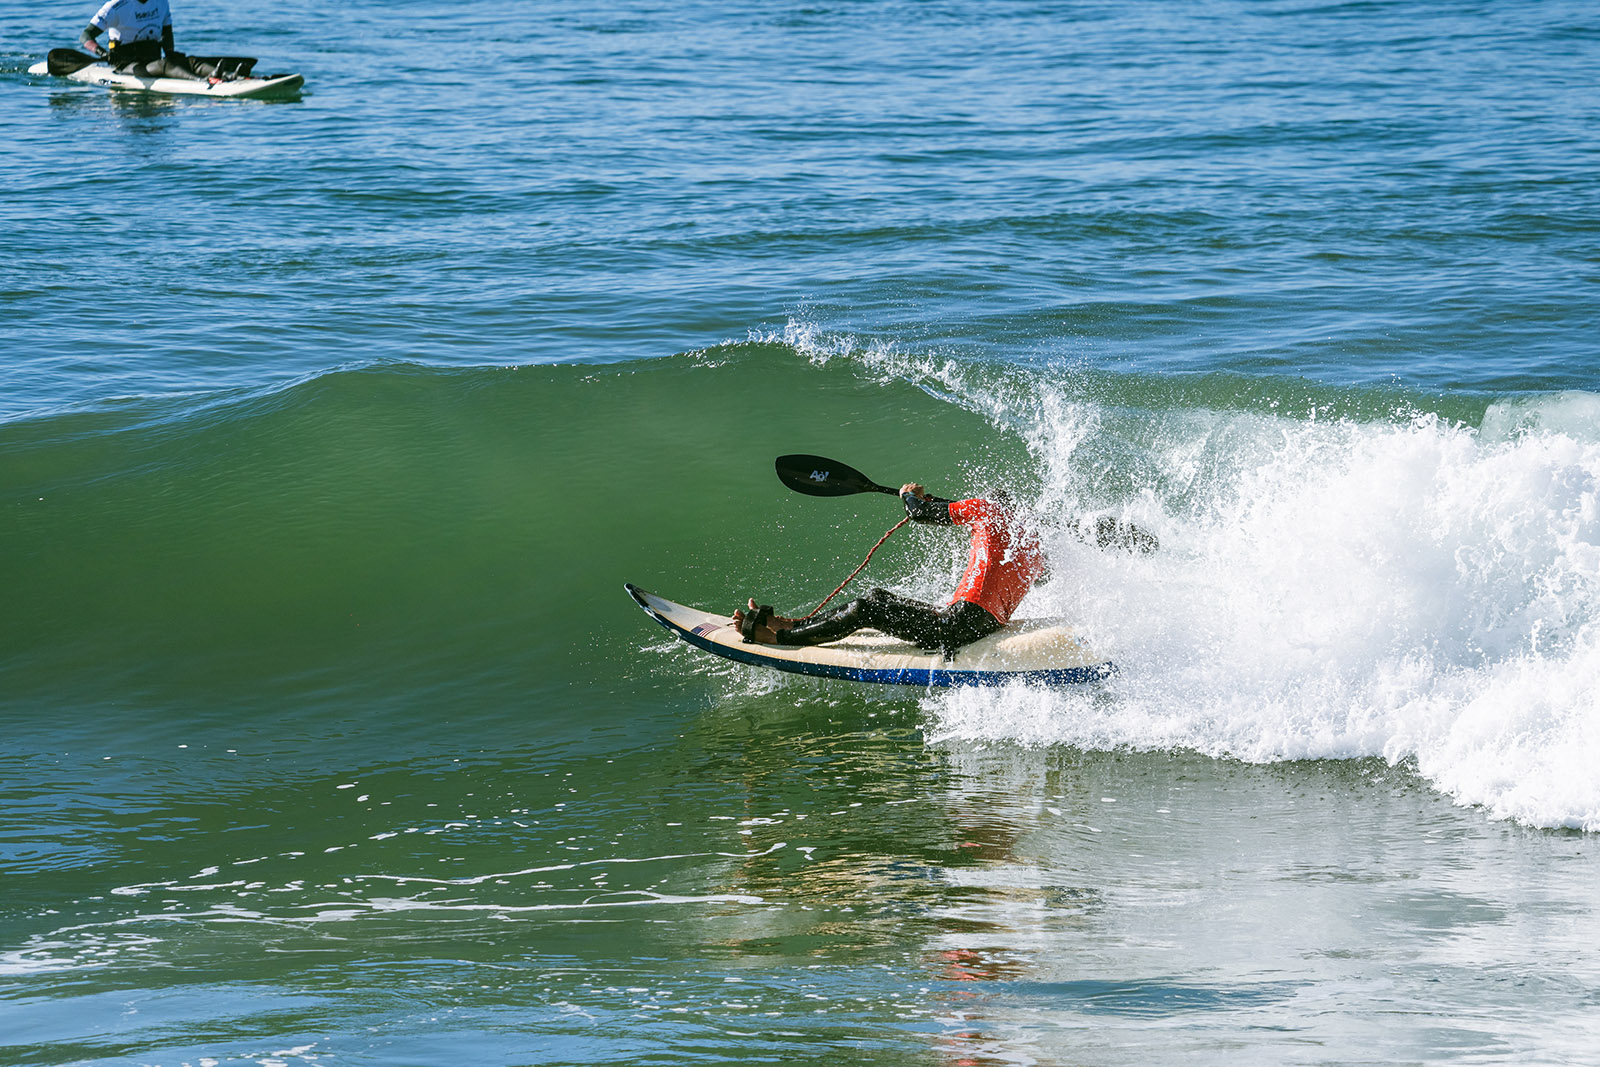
(760, 635)
(758, 624)
(776, 622)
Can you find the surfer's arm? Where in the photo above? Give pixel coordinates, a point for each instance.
(90, 32)
(166, 40)
(924, 508)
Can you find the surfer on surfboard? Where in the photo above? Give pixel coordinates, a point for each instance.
(1005, 561)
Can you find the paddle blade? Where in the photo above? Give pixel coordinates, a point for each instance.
(816, 476)
(63, 61)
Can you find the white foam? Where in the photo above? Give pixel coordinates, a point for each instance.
(1406, 588)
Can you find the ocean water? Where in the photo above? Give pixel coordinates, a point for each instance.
(331, 428)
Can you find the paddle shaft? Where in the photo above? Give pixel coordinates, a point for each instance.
(820, 476)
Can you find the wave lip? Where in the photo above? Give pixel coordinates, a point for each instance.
(1410, 587)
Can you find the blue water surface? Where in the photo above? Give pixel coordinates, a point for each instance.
(1351, 192)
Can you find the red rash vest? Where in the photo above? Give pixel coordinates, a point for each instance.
(1006, 558)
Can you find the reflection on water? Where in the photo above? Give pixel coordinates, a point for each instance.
(143, 112)
(1041, 905)
(794, 867)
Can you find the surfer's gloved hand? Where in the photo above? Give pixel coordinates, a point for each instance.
(922, 507)
(911, 495)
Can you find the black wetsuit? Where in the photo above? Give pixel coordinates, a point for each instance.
(926, 626)
(147, 58)
(946, 628)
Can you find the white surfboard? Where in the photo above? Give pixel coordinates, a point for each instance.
(1041, 652)
(239, 89)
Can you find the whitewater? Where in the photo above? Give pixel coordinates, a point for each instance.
(1410, 587)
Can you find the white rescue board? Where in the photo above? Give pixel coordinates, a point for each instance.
(238, 89)
(1041, 652)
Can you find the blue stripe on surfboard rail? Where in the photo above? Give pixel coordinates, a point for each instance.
(924, 677)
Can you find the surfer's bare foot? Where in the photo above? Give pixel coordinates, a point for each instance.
(766, 633)
(761, 635)
(776, 622)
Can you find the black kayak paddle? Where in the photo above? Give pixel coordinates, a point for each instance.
(63, 61)
(816, 476)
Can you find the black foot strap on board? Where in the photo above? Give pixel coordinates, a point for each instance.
(753, 621)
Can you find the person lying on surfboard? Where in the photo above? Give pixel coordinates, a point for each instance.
(139, 35)
(1005, 562)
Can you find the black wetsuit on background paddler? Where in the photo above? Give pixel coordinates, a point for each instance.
(139, 36)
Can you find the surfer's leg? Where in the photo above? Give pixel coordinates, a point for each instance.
(159, 68)
(199, 66)
(912, 621)
(878, 609)
(177, 66)
(836, 622)
(909, 620)
(964, 622)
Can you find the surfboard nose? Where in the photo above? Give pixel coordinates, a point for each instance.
(640, 597)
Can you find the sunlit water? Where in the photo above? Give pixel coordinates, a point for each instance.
(331, 428)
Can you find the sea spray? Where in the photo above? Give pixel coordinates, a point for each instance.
(1411, 589)
(1336, 580)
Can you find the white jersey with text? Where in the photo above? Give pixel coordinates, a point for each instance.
(133, 20)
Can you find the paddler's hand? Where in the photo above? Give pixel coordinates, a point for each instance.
(923, 506)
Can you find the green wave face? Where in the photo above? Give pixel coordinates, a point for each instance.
(425, 550)
(386, 527)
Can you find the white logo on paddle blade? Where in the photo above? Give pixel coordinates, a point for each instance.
(819, 476)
